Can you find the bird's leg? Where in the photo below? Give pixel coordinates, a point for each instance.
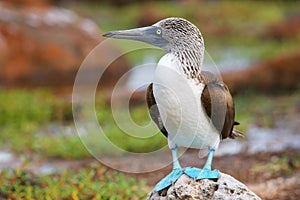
(210, 156)
(176, 164)
(171, 178)
(206, 172)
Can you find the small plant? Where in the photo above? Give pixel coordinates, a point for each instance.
(279, 165)
(93, 182)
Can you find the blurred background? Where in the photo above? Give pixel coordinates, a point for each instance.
(255, 44)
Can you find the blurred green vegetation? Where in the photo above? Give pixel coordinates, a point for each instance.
(25, 114)
(225, 25)
(263, 110)
(279, 165)
(28, 113)
(92, 182)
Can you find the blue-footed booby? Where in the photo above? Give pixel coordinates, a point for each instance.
(192, 108)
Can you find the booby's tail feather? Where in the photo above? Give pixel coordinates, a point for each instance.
(236, 123)
(236, 133)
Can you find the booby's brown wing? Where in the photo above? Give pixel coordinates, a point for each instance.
(218, 104)
(153, 109)
(215, 93)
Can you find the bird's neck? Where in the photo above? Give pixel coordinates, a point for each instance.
(171, 61)
(190, 60)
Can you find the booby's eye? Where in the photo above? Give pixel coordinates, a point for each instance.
(158, 31)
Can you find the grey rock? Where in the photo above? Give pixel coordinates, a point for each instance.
(226, 188)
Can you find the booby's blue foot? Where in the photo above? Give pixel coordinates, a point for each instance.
(198, 174)
(206, 172)
(171, 178)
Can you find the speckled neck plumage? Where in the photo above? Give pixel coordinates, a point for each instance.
(191, 63)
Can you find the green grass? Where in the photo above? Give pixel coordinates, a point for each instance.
(279, 165)
(27, 114)
(261, 110)
(136, 141)
(23, 114)
(251, 106)
(92, 182)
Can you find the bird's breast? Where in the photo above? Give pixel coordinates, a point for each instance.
(179, 103)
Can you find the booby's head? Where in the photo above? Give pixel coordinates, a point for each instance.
(170, 34)
(177, 36)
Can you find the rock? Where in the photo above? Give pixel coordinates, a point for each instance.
(286, 28)
(149, 15)
(186, 188)
(46, 46)
(29, 3)
(277, 74)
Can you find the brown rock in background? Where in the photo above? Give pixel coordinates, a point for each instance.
(281, 73)
(287, 28)
(28, 3)
(149, 15)
(46, 46)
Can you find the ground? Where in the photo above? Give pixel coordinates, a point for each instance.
(279, 180)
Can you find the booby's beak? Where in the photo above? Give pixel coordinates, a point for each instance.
(150, 34)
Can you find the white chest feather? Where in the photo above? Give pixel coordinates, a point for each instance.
(179, 103)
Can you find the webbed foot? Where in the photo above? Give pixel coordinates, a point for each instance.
(169, 179)
(204, 173)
